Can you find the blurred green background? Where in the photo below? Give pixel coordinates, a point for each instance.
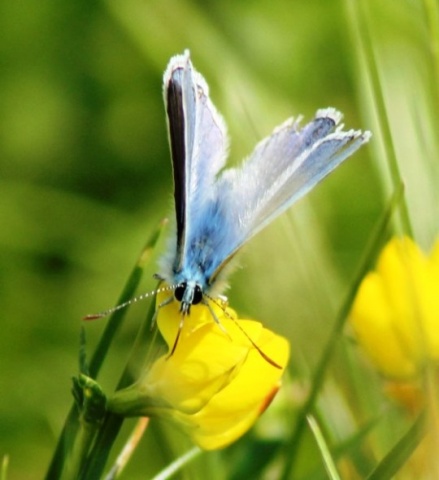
(86, 176)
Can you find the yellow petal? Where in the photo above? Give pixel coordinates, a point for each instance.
(375, 325)
(206, 358)
(396, 312)
(429, 304)
(201, 365)
(435, 255)
(231, 412)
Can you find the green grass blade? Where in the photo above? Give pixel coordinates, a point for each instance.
(117, 317)
(178, 464)
(328, 461)
(129, 448)
(353, 447)
(401, 452)
(4, 469)
(71, 425)
(432, 16)
(360, 27)
(291, 446)
(112, 424)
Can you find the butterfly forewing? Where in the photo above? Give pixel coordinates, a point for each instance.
(177, 122)
(199, 145)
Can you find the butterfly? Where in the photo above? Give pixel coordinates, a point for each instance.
(219, 210)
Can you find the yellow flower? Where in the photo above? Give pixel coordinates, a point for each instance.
(396, 312)
(215, 384)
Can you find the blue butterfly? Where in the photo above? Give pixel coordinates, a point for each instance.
(217, 212)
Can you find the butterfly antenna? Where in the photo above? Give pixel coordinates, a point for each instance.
(143, 296)
(247, 336)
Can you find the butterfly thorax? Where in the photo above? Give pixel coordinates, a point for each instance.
(199, 263)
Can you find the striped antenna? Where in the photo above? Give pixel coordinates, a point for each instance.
(105, 313)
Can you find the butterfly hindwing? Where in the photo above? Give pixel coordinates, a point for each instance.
(282, 169)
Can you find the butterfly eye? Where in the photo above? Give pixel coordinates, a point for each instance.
(179, 291)
(198, 295)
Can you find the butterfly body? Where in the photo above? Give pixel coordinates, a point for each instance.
(202, 258)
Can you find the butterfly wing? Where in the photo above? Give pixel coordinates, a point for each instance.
(217, 216)
(282, 169)
(199, 145)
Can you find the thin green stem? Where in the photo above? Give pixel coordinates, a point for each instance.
(179, 463)
(329, 462)
(432, 15)
(129, 448)
(116, 319)
(112, 424)
(4, 468)
(71, 425)
(291, 446)
(81, 447)
(402, 450)
(361, 32)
